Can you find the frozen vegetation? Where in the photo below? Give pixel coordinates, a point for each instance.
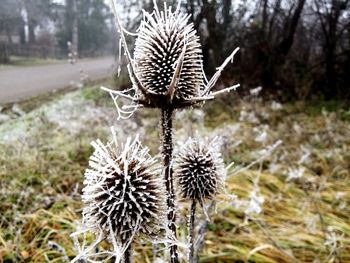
(286, 200)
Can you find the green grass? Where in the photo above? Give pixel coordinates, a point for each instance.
(43, 156)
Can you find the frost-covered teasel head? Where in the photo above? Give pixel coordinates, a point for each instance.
(168, 55)
(199, 170)
(167, 67)
(123, 195)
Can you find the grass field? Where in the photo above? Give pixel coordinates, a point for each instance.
(301, 184)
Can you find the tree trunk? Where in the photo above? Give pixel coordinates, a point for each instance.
(330, 48)
(75, 32)
(331, 79)
(264, 17)
(31, 28)
(287, 42)
(4, 54)
(276, 59)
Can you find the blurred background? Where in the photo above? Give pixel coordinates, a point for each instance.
(42, 28)
(294, 49)
(287, 128)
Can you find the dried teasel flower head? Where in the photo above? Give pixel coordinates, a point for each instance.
(168, 55)
(123, 195)
(200, 170)
(167, 68)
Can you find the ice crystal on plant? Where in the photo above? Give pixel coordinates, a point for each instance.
(166, 39)
(255, 203)
(167, 68)
(199, 170)
(247, 116)
(123, 194)
(262, 137)
(305, 158)
(295, 173)
(255, 91)
(276, 106)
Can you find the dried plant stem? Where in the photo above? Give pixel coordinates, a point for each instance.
(203, 228)
(128, 254)
(191, 230)
(167, 150)
(200, 240)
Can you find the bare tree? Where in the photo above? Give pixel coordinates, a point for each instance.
(75, 28)
(329, 14)
(10, 22)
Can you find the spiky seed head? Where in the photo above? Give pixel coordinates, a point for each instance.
(123, 194)
(161, 40)
(199, 169)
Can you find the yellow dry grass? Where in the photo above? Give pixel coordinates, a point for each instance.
(302, 220)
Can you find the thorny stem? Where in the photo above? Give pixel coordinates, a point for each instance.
(128, 254)
(191, 231)
(167, 151)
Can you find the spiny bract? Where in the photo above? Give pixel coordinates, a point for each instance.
(162, 38)
(199, 170)
(123, 192)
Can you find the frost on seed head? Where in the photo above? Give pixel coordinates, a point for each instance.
(199, 170)
(165, 40)
(167, 68)
(123, 195)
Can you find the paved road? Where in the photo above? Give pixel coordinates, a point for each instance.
(22, 82)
